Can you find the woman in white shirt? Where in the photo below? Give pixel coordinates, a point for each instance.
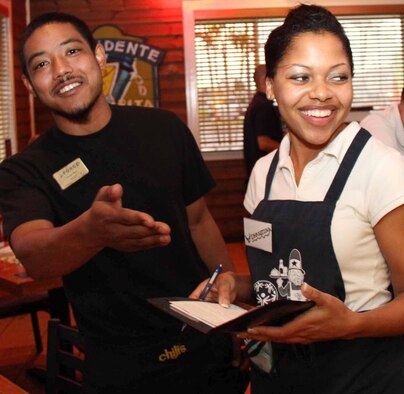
(334, 197)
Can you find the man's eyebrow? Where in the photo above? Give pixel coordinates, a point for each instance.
(40, 53)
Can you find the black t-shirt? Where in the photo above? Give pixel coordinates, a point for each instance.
(261, 118)
(153, 155)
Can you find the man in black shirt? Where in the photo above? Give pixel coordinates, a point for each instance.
(262, 123)
(111, 199)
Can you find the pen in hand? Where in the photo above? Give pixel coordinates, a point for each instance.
(206, 289)
(211, 281)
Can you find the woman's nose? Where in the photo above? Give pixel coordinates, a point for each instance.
(320, 91)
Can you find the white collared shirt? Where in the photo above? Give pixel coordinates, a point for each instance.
(374, 188)
(387, 126)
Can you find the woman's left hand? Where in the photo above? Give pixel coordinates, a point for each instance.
(329, 319)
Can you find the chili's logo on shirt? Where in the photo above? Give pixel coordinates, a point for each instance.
(130, 76)
(173, 353)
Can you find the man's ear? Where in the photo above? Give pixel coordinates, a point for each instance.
(269, 89)
(28, 85)
(100, 55)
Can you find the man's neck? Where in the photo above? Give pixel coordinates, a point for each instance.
(97, 118)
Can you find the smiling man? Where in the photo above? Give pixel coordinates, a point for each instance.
(62, 70)
(111, 199)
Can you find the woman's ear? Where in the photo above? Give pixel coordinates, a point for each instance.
(269, 90)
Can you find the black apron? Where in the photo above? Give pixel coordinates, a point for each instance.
(302, 251)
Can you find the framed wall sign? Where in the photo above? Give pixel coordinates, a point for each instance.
(131, 74)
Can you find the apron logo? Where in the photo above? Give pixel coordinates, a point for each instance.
(172, 354)
(265, 232)
(265, 292)
(288, 282)
(292, 275)
(258, 234)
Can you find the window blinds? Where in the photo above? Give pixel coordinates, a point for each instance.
(227, 52)
(6, 96)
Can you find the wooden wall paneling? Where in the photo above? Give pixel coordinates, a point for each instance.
(153, 29)
(144, 4)
(22, 112)
(225, 201)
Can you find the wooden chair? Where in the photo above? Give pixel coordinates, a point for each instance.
(64, 362)
(11, 305)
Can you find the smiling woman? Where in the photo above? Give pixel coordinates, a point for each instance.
(337, 224)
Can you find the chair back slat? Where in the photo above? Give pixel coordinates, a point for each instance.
(67, 385)
(63, 365)
(70, 360)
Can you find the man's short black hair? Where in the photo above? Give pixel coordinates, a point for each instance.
(49, 18)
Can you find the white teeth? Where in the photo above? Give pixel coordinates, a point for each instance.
(318, 113)
(69, 87)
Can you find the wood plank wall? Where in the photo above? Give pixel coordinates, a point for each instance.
(159, 22)
(226, 199)
(21, 96)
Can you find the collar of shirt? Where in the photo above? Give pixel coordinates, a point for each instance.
(337, 148)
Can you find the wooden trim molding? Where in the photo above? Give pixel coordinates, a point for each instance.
(279, 12)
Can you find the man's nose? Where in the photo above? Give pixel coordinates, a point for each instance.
(61, 67)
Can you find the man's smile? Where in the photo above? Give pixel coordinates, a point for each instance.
(69, 87)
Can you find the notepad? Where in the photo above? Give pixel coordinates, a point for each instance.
(209, 313)
(209, 317)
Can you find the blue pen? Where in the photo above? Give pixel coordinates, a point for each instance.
(205, 291)
(211, 281)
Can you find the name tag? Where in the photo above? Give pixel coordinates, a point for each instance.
(258, 234)
(70, 174)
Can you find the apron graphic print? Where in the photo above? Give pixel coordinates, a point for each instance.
(288, 282)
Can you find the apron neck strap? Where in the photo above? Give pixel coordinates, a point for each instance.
(342, 174)
(346, 166)
(270, 175)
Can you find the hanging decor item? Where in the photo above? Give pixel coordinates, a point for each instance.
(131, 73)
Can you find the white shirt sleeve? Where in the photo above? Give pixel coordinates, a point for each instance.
(256, 184)
(386, 126)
